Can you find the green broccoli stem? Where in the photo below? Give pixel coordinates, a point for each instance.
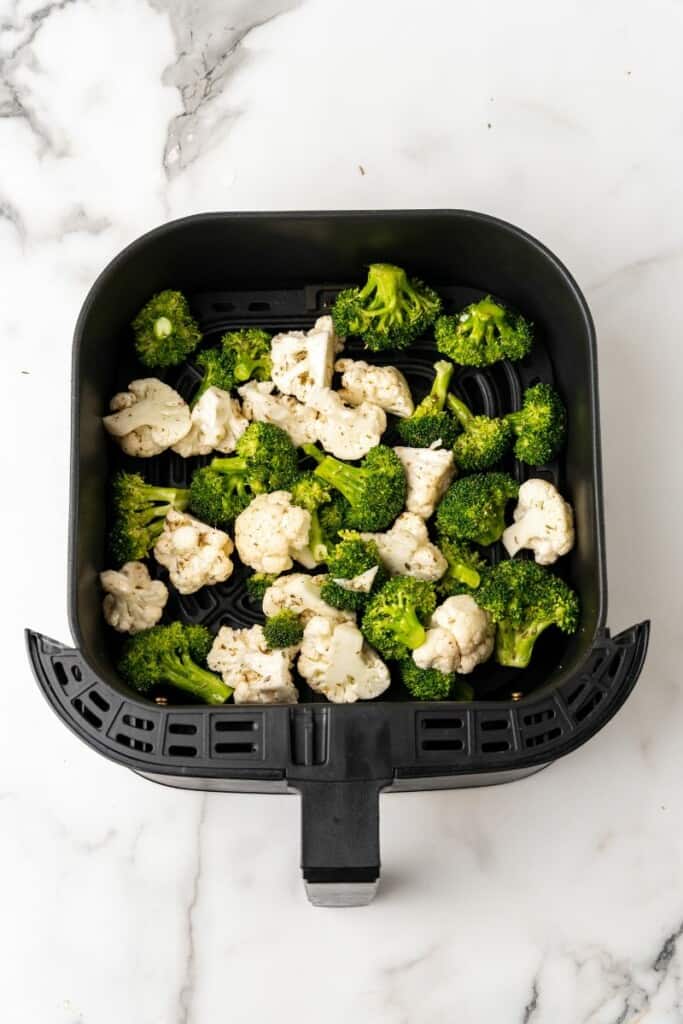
(514, 647)
(162, 328)
(232, 465)
(408, 629)
(463, 415)
(489, 535)
(316, 539)
(465, 574)
(184, 673)
(245, 367)
(343, 478)
(174, 497)
(436, 399)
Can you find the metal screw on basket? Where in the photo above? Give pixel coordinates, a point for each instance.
(516, 695)
(163, 701)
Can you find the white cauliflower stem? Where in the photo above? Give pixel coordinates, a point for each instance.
(284, 411)
(133, 601)
(217, 425)
(258, 674)
(544, 523)
(406, 549)
(300, 594)
(303, 360)
(147, 418)
(196, 555)
(271, 532)
(336, 660)
(347, 432)
(384, 386)
(429, 471)
(471, 633)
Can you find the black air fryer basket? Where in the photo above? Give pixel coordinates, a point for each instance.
(282, 271)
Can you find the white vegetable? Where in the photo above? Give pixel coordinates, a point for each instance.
(300, 593)
(406, 549)
(284, 411)
(361, 584)
(303, 360)
(133, 601)
(544, 523)
(271, 532)
(347, 432)
(429, 471)
(259, 675)
(217, 425)
(471, 630)
(196, 555)
(384, 386)
(147, 418)
(335, 660)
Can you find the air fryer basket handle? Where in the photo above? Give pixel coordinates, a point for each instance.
(340, 841)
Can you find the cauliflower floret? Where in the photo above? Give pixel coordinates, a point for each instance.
(217, 425)
(133, 601)
(147, 418)
(284, 411)
(271, 532)
(384, 386)
(439, 651)
(196, 555)
(303, 360)
(469, 626)
(544, 523)
(258, 674)
(335, 660)
(347, 432)
(300, 593)
(429, 471)
(406, 549)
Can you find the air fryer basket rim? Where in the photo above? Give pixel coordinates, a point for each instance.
(398, 214)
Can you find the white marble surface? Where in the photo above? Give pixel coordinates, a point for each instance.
(557, 900)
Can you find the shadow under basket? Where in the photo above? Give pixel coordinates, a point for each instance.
(282, 271)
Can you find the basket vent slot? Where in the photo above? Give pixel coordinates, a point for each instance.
(442, 723)
(60, 672)
(443, 745)
(237, 735)
(236, 725)
(86, 713)
(538, 717)
(234, 748)
(576, 693)
(133, 743)
(543, 737)
(143, 724)
(589, 706)
(98, 700)
(494, 724)
(495, 746)
(76, 672)
(182, 728)
(439, 736)
(178, 750)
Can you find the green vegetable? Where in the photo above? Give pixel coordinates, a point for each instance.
(389, 311)
(352, 557)
(249, 347)
(139, 513)
(165, 330)
(174, 654)
(283, 629)
(540, 425)
(465, 570)
(429, 422)
(425, 683)
(311, 493)
(258, 583)
(524, 599)
(218, 368)
(484, 440)
(473, 508)
(483, 333)
(396, 615)
(265, 460)
(375, 490)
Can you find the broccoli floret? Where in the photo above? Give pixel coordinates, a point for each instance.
(473, 508)
(352, 557)
(389, 311)
(332, 516)
(165, 330)
(266, 460)
(250, 349)
(465, 571)
(395, 617)
(283, 629)
(540, 425)
(218, 367)
(139, 513)
(311, 493)
(430, 422)
(375, 490)
(523, 599)
(258, 583)
(483, 333)
(425, 683)
(484, 439)
(174, 654)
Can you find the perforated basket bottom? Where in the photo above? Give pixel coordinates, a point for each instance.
(494, 391)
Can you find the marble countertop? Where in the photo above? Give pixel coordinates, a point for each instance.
(556, 900)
